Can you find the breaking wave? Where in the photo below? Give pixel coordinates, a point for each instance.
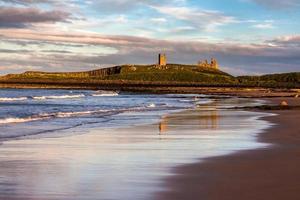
(45, 116)
(40, 98)
(102, 93)
(59, 97)
(13, 99)
(151, 105)
(18, 120)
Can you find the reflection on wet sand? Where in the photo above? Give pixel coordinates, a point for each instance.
(163, 125)
(124, 163)
(206, 119)
(209, 119)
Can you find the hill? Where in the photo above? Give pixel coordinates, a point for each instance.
(147, 77)
(171, 73)
(285, 80)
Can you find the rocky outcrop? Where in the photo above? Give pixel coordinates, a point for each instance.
(105, 71)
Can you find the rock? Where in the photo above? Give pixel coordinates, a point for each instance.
(132, 68)
(284, 103)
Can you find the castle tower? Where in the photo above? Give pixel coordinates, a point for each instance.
(214, 63)
(162, 59)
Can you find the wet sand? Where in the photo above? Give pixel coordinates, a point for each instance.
(94, 163)
(269, 173)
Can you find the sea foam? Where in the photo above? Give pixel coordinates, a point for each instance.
(59, 97)
(13, 99)
(102, 93)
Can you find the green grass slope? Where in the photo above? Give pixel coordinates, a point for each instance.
(290, 80)
(172, 73)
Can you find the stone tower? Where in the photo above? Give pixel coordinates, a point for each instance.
(162, 59)
(214, 63)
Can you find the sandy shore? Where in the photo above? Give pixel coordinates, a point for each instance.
(271, 173)
(128, 162)
(156, 88)
(133, 162)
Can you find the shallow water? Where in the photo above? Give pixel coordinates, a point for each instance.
(125, 156)
(33, 112)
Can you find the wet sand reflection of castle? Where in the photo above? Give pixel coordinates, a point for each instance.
(163, 125)
(207, 119)
(210, 119)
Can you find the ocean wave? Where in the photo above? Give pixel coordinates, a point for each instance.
(45, 116)
(103, 93)
(12, 120)
(80, 113)
(59, 97)
(151, 105)
(13, 98)
(188, 100)
(8, 99)
(194, 99)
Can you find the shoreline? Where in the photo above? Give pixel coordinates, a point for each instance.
(88, 148)
(234, 91)
(149, 151)
(268, 173)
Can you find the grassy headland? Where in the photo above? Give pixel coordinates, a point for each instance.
(149, 78)
(284, 80)
(172, 73)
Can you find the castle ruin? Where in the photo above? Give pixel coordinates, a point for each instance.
(213, 64)
(162, 63)
(162, 59)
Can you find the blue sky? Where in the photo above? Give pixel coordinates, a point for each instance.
(246, 36)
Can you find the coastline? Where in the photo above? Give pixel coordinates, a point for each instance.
(269, 173)
(132, 161)
(160, 88)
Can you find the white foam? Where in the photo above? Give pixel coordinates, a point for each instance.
(59, 97)
(151, 105)
(13, 99)
(204, 102)
(44, 116)
(20, 120)
(187, 100)
(80, 113)
(48, 116)
(102, 93)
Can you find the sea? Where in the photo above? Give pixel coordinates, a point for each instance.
(84, 144)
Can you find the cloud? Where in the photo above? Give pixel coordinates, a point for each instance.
(278, 4)
(30, 2)
(32, 38)
(12, 17)
(159, 20)
(122, 6)
(286, 41)
(205, 20)
(277, 55)
(267, 24)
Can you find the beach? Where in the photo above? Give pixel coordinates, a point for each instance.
(149, 100)
(268, 173)
(87, 145)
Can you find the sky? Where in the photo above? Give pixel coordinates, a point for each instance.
(246, 36)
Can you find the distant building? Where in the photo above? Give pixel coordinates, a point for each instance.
(162, 63)
(162, 59)
(213, 64)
